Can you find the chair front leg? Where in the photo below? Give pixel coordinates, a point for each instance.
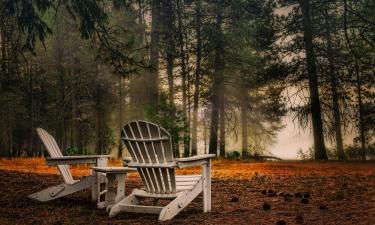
(206, 172)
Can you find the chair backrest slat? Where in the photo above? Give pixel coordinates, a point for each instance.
(149, 143)
(54, 151)
(149, 156)
(136, 157)
(155, 159)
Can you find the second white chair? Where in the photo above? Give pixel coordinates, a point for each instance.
(150, 148)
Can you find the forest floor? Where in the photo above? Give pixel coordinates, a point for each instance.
(336, 193)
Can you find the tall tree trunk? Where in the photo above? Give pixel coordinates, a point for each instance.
(335, 96)
(188, 98)
(9, 134)
(3, 55)
(6, 131)
(154, 51)
(139, 85)
(183, 76)
(60, 110)
(120, 117)
(74, 101)
(194, 135)
(4, 52)
(30, 106)
(61, 83)
(2, 71)
(99, 118)
(168, 29)
(320, 150)
(217, 80)
(222, 122)
(99, 143)
(244, 133)
(362, 129)
(40, 108)
(205, 135)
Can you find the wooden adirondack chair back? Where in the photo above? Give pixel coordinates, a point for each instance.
(54, 151)
(150, 144)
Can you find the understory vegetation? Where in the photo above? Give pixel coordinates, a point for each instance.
(218, 75)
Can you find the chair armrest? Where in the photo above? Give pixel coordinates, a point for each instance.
(79, 159)
(151, 165)
(114, 170)
(193, 161)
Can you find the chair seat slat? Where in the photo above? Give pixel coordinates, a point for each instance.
(184, 188)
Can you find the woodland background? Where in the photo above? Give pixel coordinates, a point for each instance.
(212, 72)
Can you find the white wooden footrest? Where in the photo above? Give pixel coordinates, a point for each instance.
(57, 190)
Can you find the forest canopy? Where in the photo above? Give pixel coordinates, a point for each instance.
(218, 75)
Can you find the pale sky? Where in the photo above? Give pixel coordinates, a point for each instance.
(290, 139)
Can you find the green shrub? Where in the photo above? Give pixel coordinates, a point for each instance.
(73, 150)
(235, 155)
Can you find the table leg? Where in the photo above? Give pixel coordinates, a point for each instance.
(95, 188)
(120, 186)
(110, 195)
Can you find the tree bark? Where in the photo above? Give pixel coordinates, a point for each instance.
(74, 101)
(222, 122)
(99, 120)
(320, 150)
(217, 80)
(194, 136)
(61, 83)
(244, 134)
(168, 29)
(6, 137)
(10, 132)
(362, 129)
(60, 110)
(154, 52)
(120, 117)
(183, 78)
(30, 106)
(3, 55)
(139, 85)
(188, 98)
(334, 92)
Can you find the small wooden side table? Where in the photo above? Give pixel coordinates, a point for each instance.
(113, 173)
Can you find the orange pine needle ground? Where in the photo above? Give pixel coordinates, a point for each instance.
(221, 168)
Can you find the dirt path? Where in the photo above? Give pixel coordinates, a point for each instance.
(339, 194)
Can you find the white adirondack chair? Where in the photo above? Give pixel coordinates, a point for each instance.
(150, 148)
(70, 185)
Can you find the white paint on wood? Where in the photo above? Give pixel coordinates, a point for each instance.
(206, 171)
(70, 185)
(152, 155)
(61, 190)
